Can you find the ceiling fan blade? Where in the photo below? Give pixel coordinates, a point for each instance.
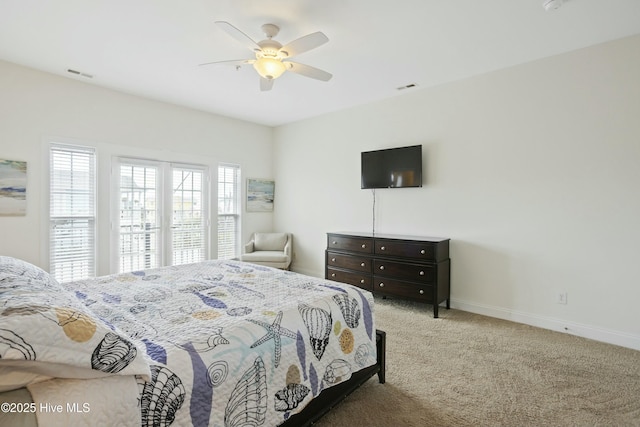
(309, 71)
(236, 62)
(303, 44)
(265, 84)
(238, 35)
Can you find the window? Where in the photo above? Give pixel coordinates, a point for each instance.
(72, 212)
(163, 215)
(139, 237)
(189, 222)
(228, 211)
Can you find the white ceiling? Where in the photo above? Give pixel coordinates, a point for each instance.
(152, 48)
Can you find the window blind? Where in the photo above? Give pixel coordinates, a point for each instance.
(189, 216)
(72, 214)
(163, 214)
(228, 211)
(140, 232)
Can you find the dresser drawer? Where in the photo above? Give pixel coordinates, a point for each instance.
(415, 268)
(427, 251)
(351, 262)
(351, 244)
(423, 273)
(399, 288)
(360, 280)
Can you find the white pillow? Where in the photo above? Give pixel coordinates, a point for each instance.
(46, 330)
(14, 267)
(13, 378)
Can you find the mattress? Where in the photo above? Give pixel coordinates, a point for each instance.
(218, 343)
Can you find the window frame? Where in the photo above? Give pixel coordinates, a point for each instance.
(91, 216)
(236, 214)
(205, 209)
(164, 197)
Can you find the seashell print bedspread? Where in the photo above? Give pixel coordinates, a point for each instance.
(229, 343)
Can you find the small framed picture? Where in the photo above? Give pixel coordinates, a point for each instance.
(260, 194)
(13, 187)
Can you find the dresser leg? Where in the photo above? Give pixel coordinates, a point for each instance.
(435, 311)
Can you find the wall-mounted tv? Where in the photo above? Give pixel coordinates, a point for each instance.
(392, 168)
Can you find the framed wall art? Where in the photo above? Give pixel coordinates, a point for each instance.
(13, 187)
(260, 195)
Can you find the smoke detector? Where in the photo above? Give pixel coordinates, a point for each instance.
(551, 4)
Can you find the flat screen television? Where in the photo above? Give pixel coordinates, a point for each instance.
(392, 168)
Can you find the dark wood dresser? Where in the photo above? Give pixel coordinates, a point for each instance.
(405, 266)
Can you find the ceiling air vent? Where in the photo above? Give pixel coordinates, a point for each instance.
(79, 73)
(409, 86)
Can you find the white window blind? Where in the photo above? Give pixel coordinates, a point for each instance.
(72, 212)
(163, 214)
(139, 217)
(228, 211)
(189, 222)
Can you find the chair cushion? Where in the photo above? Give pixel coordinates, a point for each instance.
(270, 241)
(265, 256)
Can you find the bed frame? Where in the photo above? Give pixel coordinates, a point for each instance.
(313, 411)
(330, 397)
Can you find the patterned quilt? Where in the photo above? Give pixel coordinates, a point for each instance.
(229, 343)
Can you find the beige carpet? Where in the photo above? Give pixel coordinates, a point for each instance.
(465, 369)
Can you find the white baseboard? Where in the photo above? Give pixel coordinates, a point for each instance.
(586, 331)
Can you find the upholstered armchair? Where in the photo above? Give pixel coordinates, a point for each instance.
(270, 249)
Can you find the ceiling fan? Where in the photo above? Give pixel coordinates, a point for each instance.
(271, 57)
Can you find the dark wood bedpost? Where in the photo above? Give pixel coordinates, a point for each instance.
(381, 347)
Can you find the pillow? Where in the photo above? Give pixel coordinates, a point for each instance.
(270, 241)
(41, 323)
(14, 267)
(13, 378)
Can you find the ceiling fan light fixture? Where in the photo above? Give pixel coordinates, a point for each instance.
(270, 55)
(269, 68)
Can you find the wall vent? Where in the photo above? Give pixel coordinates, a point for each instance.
(79, 73)
(409, 86)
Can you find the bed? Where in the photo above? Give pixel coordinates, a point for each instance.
(217, 343)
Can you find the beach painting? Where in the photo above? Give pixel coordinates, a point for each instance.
(13, 187)
(260, 195)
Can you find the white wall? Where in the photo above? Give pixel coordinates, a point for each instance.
(36, 107)
(532, 171)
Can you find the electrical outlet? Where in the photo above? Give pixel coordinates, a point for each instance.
(561, 298)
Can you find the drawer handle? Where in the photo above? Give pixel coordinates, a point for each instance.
(364, 246)
(421, 292)
(333, 274)
(333, 260)
(381, 285)
(422, 252)
(421, 273)
(362, 281)
(382, 248)
(362, 264)
(334, 242)
(382, 267)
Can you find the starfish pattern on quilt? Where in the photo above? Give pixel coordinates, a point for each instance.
(274, 332)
